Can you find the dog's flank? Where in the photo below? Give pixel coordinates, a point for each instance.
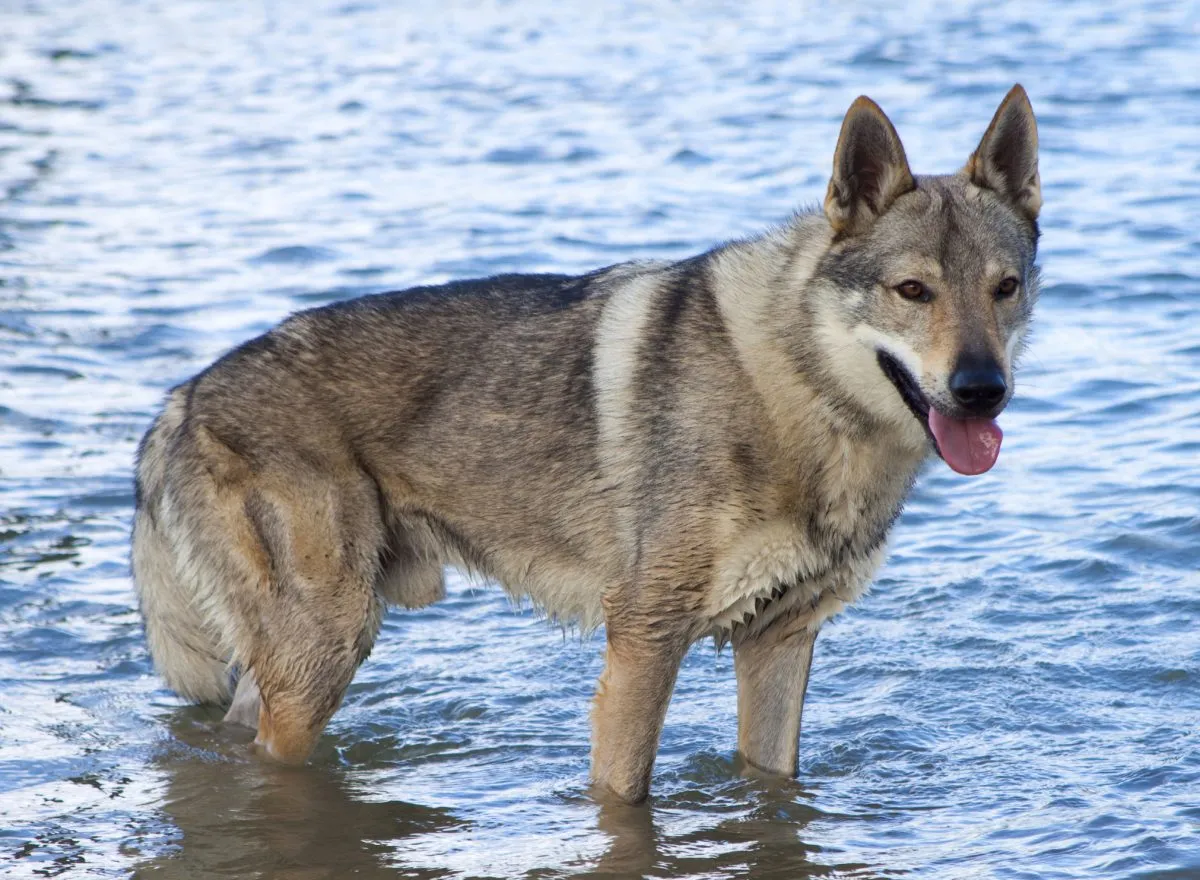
(715, 446)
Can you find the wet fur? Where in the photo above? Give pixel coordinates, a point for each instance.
(671, 449)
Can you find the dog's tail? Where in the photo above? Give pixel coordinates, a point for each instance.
(186, 646)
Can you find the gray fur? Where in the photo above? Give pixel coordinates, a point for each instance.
(672, 449)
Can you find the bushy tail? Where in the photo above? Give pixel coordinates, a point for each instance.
(186, 649)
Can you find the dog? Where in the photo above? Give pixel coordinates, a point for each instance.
(717, 446)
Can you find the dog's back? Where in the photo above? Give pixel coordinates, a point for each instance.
(337, 462)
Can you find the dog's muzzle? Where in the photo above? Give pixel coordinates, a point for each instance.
(968, 441)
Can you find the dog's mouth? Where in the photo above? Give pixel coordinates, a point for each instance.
(969, 446)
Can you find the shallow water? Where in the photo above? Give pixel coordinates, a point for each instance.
(1018, 697)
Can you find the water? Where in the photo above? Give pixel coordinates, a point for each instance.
(1018, 697)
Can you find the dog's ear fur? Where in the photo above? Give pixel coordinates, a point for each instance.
(870, 170)
(1006, 160)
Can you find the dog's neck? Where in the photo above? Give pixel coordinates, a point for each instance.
(767, 303)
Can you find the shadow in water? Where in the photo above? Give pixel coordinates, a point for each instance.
(238, 816)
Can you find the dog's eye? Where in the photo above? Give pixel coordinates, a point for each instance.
(1006, 288)
(914, 290)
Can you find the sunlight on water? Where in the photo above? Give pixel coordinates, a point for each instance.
(1019, 696)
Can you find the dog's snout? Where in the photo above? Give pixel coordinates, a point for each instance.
(978, 385)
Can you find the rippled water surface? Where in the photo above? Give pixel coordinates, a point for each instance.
(1018, 697)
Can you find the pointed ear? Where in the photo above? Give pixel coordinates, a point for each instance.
(870, 170)
(1006, 159)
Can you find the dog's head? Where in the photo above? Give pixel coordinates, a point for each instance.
(929, 283)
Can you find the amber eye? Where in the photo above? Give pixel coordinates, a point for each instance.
(914, 290)
(1006, 288)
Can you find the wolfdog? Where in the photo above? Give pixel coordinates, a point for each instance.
(717, 446)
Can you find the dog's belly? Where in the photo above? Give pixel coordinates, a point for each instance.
(770, 571)
(567, 594)
(561, 565)
(564, 588)
(775, 569)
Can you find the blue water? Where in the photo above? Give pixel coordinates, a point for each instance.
(1019, 696)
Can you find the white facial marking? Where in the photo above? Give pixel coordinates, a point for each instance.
(876, 339)
(852, 355)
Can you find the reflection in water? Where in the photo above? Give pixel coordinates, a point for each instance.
(237, 815)
(762, 837)
(633, 846)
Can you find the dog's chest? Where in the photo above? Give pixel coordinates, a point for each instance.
(834, 544)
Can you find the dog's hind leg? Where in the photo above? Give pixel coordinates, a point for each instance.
(772, 675)
(317, 613)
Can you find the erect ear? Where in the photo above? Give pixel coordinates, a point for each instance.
(870, 170)
(1006, 159)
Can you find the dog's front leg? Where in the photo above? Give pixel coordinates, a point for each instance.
(645, 649)
(772, 676)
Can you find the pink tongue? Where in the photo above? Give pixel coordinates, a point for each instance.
(970, 446)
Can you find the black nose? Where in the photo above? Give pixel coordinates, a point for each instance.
(978, 385)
